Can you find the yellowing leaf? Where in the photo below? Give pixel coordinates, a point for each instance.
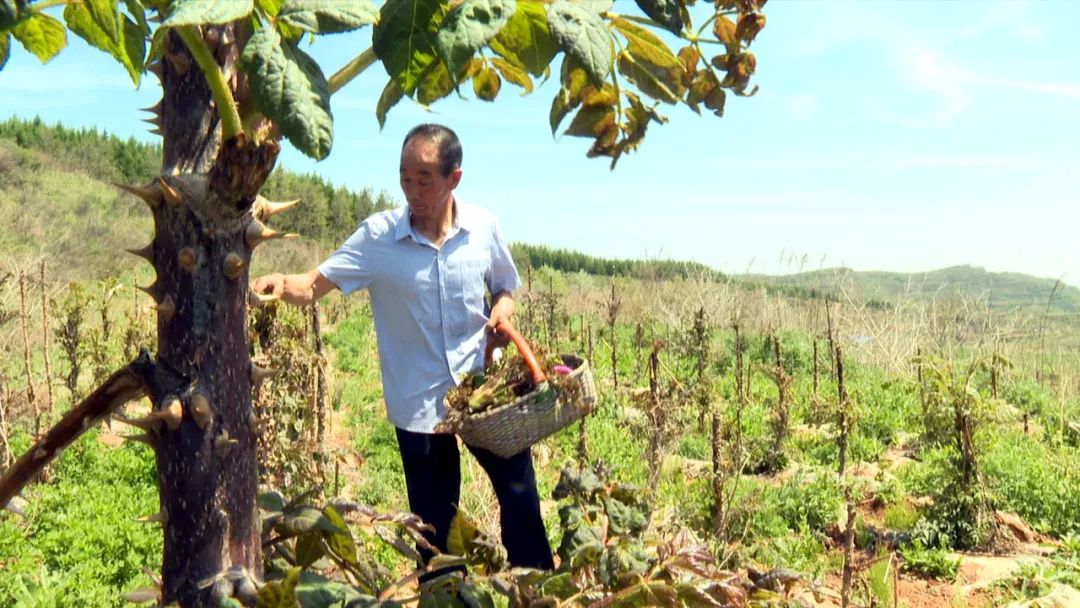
(41, 35)
(643, 44)
(280, 594)
(526, 40)
(655, 82)
(486, 84)
(514, 74)
(461, 535)
(749, 25)
(582, 34)
(435, 84)
(574, 80)
(391, 94)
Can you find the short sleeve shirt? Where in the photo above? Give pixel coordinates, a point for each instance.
(429, 303)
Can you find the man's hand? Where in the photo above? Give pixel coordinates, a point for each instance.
(501, 311)
(270, 285)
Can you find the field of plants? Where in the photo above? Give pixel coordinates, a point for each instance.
(749, 448)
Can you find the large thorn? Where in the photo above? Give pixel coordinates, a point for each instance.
(258, 233)
(156, 68)
(154, 109)
(150, 290)
(267, 208)
(150, 194)
(200, 410)
(258, 374)
(187, 258)
(171, 413)
(161, 517)
(223, 443)
(167, 308)
(146, 253)
(157, 132)
(174, 198)
(156, 121)
(234, 265)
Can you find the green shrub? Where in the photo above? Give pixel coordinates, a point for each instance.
(934, 562)
(901, 517)
(1038, 482)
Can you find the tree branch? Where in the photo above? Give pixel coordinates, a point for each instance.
(130, 382)
(215, 78)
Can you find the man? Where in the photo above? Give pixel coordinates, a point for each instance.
(426, 268)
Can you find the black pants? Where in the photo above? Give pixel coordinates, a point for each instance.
(433, 478)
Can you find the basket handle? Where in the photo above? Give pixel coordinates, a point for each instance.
(504, 327)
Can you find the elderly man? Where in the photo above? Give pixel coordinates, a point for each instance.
(428, 268)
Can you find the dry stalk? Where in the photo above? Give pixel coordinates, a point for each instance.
(613, 305)
(320, 393)
(24, 321)
(844, 410)
(45, 348)
(6, 453)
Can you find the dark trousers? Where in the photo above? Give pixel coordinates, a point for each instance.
(433, 479)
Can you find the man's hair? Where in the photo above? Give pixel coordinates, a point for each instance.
(445, 139)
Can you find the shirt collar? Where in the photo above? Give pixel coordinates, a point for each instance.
(464, 219)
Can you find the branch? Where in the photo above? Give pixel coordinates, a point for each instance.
(352, 69)
(128, 383)
(215, 78)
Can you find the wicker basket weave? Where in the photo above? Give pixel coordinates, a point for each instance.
(509, 428)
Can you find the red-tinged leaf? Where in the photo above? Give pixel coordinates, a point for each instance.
(526, 39)
(715, 100)
(703, 84)
(486, 84)
(689, 56)
(724, 30)
(749, 25)
(514, 74)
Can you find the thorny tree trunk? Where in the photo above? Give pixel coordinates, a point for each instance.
(202, 428)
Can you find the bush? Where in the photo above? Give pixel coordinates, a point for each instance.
(1037, 482)
(934, 562)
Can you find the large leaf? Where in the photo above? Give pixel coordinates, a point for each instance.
(101, 24)
(469, 26)
(304, 519)
(309, 549)
(288, 87)
(582, 34)
(404, 39)
(461, 534)
(667, 13)
(198, 12)
(341, 542)
(435, 83)
(657, 83)
(526, 39)
(41, 35)
(328, 16)
(623, 519)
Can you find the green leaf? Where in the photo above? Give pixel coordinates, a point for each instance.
(304, 519)
(667, 13)
(624, 520)
(560, 585)
(469, 26)
(289, 88)
(41, 35)
(309, 549)
(582, 34)
(474, 596)
(391, 94)
(404, 39)
(461, 535)
(486, 84)
(272, 501)
(328, 16)
(438, 562)
(315, 591)
(5, 48)
(199, 12)
(101, 24)
(581, 543)
(270, 8)
(280, 594)
(645, 45)
(11, 11)
(526, 40)
(341, 543)
(514, 74)
(435, 83)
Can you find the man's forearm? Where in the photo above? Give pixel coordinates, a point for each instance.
(502, 305)
(304, 289)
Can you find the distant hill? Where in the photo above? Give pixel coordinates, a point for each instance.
(1002, 290)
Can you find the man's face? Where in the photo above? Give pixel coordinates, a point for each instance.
(426, 189)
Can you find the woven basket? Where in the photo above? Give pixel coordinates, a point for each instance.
(509, 428)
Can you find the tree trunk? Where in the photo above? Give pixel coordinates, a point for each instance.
(203, 426)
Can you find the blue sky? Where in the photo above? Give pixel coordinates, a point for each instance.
(887, 135)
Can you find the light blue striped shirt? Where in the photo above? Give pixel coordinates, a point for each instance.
(428, 303)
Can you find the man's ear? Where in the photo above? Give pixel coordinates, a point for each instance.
(455, 178)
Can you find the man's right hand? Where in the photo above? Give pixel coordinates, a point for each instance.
(270, 284)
